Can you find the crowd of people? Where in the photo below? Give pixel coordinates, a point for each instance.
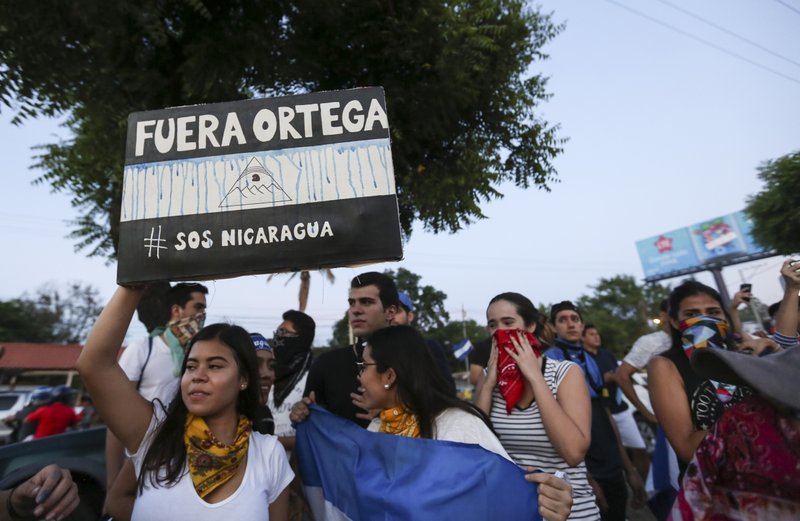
(208, 424)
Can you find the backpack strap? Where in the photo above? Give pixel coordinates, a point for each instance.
(144, 365)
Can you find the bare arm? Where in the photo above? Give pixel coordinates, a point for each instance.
(568, 420)
(279, 509)
(475, 372)
(115, 457)
(487, 383)
(672, 409)
(624, 377)
(122, 494)
(786, 318)
(104, 378)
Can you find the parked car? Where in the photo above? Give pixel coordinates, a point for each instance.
(80, 452)
(11, 402)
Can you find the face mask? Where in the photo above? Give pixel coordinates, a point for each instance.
(185, 329)
(702, 331)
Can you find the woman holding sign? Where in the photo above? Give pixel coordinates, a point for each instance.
(540, 408)
(199, 458)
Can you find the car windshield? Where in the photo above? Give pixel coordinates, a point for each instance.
(7, 401)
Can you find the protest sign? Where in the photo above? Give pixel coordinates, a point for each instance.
(258, 186)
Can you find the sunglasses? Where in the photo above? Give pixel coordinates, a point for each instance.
(363, 365)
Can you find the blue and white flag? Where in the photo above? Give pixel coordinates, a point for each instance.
(352, 474)
(462, 349)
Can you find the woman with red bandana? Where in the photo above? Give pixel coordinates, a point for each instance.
(198, 458)
(539, 407)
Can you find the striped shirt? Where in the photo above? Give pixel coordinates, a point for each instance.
(524, 438)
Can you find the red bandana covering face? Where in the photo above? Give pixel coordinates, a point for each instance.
(509, 377)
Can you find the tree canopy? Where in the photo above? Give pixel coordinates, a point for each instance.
(776, 209)
(620, 309)
(49, 316)
(460, 87)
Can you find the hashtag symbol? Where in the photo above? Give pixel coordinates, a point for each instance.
(152, 242)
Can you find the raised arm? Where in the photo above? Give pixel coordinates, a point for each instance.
(787, 316)
(122, 408)
(667, 395)
(624, 378)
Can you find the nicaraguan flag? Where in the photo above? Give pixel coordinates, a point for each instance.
(462, 349)
(352, 474)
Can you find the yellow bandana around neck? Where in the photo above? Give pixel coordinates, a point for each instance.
(211, 462)
(398, 420)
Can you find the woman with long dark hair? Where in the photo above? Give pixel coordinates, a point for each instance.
(198, 458)
(545, 422)
(686, 404)
(398, 376)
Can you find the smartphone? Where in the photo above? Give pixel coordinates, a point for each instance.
(748, 288)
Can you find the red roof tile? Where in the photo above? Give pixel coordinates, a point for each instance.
(32, 356)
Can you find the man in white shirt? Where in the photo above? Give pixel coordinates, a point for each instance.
(645, 348)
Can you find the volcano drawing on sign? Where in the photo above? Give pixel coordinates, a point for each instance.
(254, 186)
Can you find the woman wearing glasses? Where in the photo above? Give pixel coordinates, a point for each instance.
(399, 377)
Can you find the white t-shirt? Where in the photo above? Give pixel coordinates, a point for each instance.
(283, 425)
(462, 427)
(265, 477)
(646, 347)
(158, 380)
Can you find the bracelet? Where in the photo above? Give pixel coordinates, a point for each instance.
(485, 371)
(13, 514)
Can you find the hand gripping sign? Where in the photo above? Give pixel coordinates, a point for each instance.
(258, 186)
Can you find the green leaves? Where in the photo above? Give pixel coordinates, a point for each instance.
(776, 209)
(460, 87)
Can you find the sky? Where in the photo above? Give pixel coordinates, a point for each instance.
(667, 117)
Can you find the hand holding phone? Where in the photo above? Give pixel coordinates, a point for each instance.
(748, 288)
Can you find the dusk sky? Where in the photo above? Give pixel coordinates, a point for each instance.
(668, 118)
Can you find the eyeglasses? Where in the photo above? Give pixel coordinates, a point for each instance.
(363, 365)
(283, 332)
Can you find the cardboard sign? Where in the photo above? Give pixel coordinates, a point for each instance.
(258, 186)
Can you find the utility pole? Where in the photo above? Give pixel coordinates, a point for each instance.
(464, 331)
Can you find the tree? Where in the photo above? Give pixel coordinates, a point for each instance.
(463, 112)
(621, 308)
(776, 209)
(49, 317)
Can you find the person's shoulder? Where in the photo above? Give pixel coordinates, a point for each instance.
(453, 417)
(554, 353)
(337, 353)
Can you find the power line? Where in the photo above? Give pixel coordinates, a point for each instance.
(729, 32)
(793, 8)
(704, 41)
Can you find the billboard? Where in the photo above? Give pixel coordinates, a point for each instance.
(714, 243)
(258, 186)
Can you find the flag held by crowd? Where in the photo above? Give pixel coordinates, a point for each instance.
(462, 349)
(352, 474)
